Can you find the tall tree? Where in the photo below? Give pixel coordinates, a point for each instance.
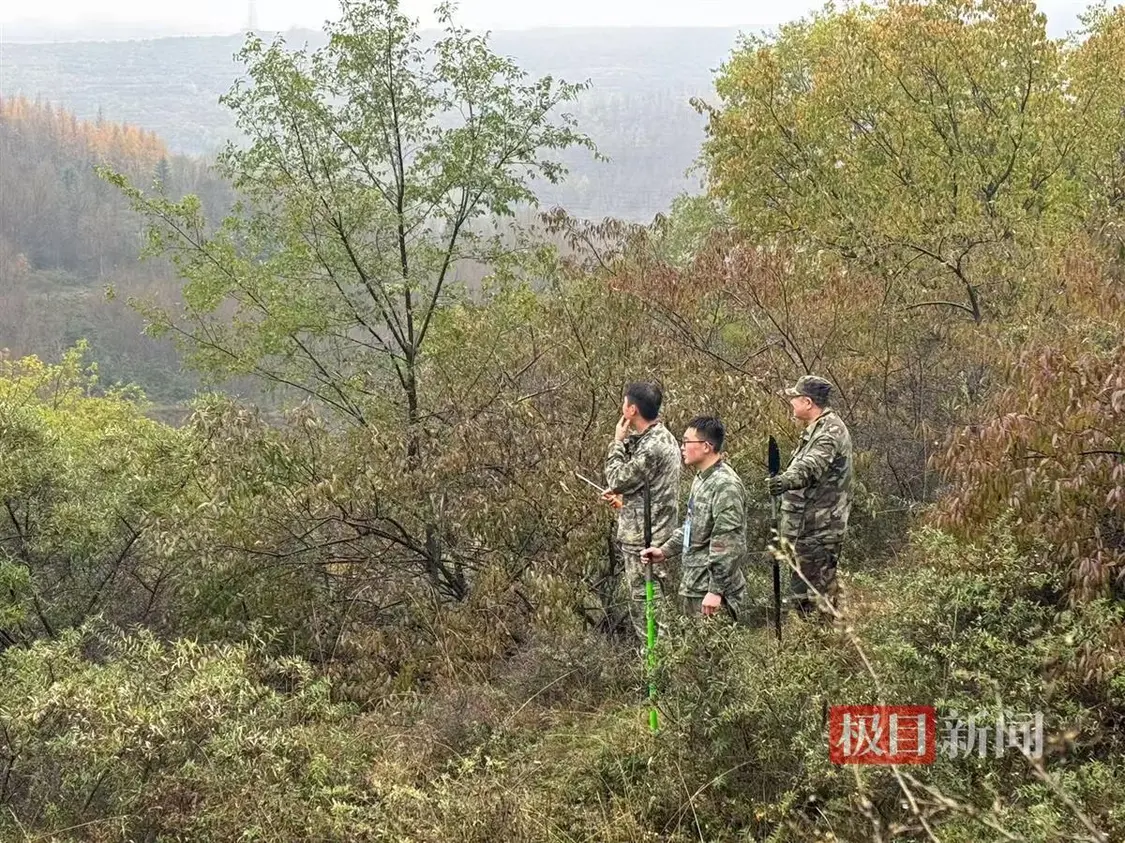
(368, 161)
(936, 138)
(371, 166)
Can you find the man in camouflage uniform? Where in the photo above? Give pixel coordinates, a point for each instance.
(816, 491)
(648, 455)
(711, 543)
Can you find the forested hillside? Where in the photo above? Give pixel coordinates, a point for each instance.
(389, 611)
(637, 106)
(66, 235)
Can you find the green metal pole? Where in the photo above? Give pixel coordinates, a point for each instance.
(650, 618)
(651, 613)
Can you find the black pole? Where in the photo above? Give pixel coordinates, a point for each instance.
(774, 462)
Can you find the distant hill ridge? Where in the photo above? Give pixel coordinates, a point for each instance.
(637, 111)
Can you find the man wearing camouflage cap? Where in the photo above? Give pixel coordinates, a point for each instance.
(816, 491)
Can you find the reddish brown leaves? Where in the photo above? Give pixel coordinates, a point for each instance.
(1058, 464)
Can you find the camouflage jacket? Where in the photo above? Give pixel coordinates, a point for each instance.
(652, 456)
(711, 544)
(819, 477)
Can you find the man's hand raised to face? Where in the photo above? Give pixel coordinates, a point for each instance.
(622, 429)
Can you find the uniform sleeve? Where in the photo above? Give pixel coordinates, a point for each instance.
(673, 548)
(812, 464)
(625, 474)
(728, 538)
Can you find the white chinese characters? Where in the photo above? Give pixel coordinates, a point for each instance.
(980, 737)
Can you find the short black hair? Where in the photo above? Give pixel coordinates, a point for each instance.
(821, 399)
(711, 429)
(646, 396)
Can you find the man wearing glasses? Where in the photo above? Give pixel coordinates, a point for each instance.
(816, 492)
(647, 455)
(711, 543)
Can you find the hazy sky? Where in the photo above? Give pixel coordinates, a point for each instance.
(224, 16)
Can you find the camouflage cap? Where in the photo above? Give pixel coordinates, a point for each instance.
(810, 386)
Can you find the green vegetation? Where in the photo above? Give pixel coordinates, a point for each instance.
(387, 612)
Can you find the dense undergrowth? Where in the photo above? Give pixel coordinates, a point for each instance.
(118, 736)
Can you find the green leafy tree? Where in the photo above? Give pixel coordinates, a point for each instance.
(368, 163)
(936, 142)
(373, 169)
(1098, 75)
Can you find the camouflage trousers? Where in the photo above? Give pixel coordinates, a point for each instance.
(817, 560)
(634, 585)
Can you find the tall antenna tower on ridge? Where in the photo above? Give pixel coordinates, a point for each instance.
(252, 16)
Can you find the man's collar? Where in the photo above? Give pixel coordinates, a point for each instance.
(827, 412)
(707, 472)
